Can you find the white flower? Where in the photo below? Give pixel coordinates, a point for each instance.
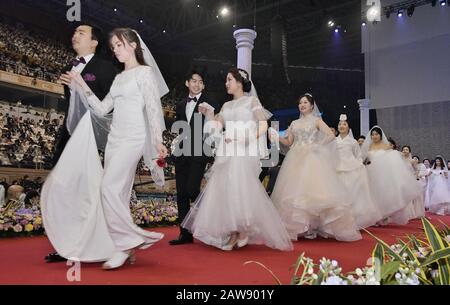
(315, 277)
(359, 272)
(310, 271)
(334, 263)
(447, 238)
(434, 273)
(351, 278)
(334, 280)
(398, 276)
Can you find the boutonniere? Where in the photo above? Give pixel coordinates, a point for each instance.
(89, 77)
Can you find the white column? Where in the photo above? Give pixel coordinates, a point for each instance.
(364, 108)
(244, 44)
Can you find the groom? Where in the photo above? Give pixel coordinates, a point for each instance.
(97, 72)
(190, 167)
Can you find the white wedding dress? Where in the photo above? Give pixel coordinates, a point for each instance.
(86, 209)
(438, 201)
(308, 194)
(234, 199)
(392, 185)
(352, 173)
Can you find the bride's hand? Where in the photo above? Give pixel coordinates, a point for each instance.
(162, 151)
(273, 135)
(71, 77)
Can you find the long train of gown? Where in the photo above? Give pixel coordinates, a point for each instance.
(308, 194)
(393, 186)
(108, 199)
(234, 199)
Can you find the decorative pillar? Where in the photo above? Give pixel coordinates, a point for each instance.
(244, 44)
(364, 108)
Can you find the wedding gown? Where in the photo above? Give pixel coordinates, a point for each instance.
(234, 199)
(417, 206)
(85, 208)
(353, 175)
(392, 185)
(308, 194)
(438, 193)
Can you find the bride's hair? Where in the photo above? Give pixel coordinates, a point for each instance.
(442, 163)
(130, 36)
(377, 130)
(242, 77)
(310, 99)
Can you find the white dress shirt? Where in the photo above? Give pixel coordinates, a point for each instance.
(81, 66)
(190, 107)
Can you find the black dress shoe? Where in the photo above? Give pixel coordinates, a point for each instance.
(182, 240)
(54, 258)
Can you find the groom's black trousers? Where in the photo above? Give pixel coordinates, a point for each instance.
(189, 176)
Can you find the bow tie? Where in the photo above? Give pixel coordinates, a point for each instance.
(192, 99)
(76, 61)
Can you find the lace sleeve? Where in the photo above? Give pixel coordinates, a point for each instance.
(259, 112)
(153, 107)
(100, 108)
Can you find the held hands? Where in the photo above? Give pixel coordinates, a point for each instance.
(162, 151)
(70, 78)
(207, 110)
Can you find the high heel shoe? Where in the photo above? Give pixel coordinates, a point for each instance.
(242, 242)
(119, 259)
(230, 246)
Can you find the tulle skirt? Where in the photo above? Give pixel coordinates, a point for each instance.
(364, 209)
(393, 186)
(234, 200)
(310, 197)
(438, 195)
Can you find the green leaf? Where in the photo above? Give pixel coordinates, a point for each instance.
(389, 269)
(434, 257)
(386, 247)
(437, 244)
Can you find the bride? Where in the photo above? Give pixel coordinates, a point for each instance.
(392, 185)
(234, 209)
(86, 208)
(308, 194)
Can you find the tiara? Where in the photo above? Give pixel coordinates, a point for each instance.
(243, 74)
(343, 117)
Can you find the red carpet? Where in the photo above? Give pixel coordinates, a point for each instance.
(21, 261)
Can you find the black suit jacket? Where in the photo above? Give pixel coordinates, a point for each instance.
(104, 73)
(181, 116)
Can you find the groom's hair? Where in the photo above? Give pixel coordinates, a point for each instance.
(193, 72)
(97, 33)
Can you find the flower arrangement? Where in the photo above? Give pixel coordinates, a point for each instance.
(420, 260)
(146, 213)
(155, 211)
(21, 222)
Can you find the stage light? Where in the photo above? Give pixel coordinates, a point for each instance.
(198, 5)
(164, 31)
(336, 30)
(224, 11)
(400, 13)
(115, 10)
(141, 21)
(373, 13)
(363, 24)
(410, 10)
(330, 23)
(442, 2)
